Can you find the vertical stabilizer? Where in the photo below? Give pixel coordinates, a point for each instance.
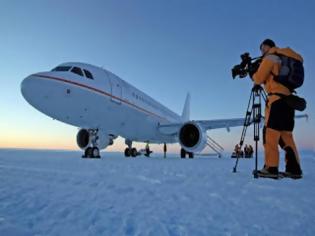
(186, 110)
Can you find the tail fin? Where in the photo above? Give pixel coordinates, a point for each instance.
(186, 110)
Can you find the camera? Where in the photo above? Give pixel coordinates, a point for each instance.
(247, 65)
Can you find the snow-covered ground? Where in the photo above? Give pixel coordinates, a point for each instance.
(58, 193)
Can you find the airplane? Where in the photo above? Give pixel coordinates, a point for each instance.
(103, 107)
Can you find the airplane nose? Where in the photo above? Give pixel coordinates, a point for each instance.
(34, 90)
(26, 87)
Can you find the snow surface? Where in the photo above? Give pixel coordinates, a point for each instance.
(58, 193)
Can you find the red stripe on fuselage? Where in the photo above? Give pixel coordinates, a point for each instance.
(101, 92)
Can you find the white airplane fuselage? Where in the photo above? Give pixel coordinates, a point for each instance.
(105, 102)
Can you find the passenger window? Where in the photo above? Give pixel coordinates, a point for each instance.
(88, 74)
(77, 71)
(61, 68)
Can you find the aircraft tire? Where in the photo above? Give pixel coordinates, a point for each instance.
(96, 152)
(127, 152)
(134, 152)
(89, 152)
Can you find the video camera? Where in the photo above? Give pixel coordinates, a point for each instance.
(247, 65)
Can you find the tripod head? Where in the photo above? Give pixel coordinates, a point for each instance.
(257, 88)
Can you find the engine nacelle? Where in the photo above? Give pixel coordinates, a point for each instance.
(87, 138)
(192, 137)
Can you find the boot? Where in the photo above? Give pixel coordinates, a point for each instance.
(292, 167)
(268, 172)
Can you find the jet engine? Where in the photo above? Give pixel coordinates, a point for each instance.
(90, 137)
(192, 137)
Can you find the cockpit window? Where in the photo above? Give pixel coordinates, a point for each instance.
(88, 74)
(77, 71)
(61, 68)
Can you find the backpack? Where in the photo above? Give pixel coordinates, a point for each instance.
(291, 72)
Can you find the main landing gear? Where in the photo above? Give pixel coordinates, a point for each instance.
(92, 151)
(183, 153)
(130, 151)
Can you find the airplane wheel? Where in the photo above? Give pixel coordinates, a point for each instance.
(133, 152)
(127, 152)
(191, 154)
(182, 153)
(89, 152)
(96, 152)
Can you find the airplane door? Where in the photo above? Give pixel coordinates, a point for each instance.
(116, 91)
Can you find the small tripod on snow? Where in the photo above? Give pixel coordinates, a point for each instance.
(253, 115)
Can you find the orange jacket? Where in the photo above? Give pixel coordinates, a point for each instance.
(271, 65)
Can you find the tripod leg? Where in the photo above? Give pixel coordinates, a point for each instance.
(254, 110)
(255, 172)
(256, 119)
(246, 124)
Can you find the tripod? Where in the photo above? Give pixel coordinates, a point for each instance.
(254, 111)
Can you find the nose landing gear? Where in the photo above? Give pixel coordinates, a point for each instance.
(92, 151)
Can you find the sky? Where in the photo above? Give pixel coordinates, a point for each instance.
(165, 48)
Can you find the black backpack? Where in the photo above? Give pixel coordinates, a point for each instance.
(291, 72)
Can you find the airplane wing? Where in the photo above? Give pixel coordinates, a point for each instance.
(221, 123)
(173, 128)
(227, 123)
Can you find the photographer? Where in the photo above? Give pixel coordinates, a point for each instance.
(279, 116)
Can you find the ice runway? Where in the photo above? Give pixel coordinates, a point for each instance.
(59, 193)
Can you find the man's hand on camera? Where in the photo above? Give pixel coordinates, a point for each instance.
(252, 68)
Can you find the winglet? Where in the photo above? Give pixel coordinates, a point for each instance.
(186, 110)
